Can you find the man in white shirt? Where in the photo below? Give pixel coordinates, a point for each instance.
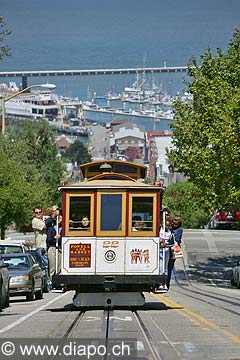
(166, 240)
(39, 228)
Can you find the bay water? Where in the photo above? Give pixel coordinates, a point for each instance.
(80, 34)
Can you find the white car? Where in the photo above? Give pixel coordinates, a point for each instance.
(235, 275)
(10, 247)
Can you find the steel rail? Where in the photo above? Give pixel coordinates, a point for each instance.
(148, 337)
(194, 290)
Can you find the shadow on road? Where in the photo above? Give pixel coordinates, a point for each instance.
(215, 269)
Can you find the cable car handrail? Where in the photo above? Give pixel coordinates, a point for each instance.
(112, 174)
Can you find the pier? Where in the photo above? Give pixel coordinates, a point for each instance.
(24, 74)
(127, 113)
(87, 72)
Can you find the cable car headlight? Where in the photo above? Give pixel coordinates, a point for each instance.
(110, 256)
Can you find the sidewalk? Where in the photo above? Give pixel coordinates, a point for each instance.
(16, 237)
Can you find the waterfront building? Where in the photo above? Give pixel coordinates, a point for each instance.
(161, 170)
(129, 142)
(63, 143)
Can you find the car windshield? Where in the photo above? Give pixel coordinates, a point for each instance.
(20, 262)
(10, 249)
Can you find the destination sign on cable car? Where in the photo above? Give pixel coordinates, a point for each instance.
(80, 255)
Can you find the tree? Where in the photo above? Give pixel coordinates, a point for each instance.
(30, 172)
(4, 49)
(19, 191)
(39, 149)
(78, 153)
(207, 129)
(184, 200)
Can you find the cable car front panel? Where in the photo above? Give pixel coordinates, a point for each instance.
(118, 251)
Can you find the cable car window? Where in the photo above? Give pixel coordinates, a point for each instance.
(79, 213)
(94, 169)
(142, 213)
(111, 212)
(124, 169)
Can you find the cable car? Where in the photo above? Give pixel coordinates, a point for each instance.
(110, 235)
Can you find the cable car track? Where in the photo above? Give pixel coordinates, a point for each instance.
(210, 294)
(107, 333)
(73, 325)
(148, 337)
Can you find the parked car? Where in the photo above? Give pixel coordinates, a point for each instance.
(26, 276)
(224, 218)
(9, 248)
(4, 285)
(235, 275)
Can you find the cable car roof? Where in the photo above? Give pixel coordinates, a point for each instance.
(133, 170)
(103, 181)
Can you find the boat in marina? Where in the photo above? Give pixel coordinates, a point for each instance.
(36, 104)
(45, 104)
(111, 96)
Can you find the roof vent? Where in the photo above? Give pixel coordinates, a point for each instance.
(106, 167)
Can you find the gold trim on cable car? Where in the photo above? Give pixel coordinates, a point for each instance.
(115, 202)
(76, 210)
(142, 214)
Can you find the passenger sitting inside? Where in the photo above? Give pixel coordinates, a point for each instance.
(85, 223)
(138, 224)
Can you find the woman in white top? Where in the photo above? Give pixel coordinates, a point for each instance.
(166, 239)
